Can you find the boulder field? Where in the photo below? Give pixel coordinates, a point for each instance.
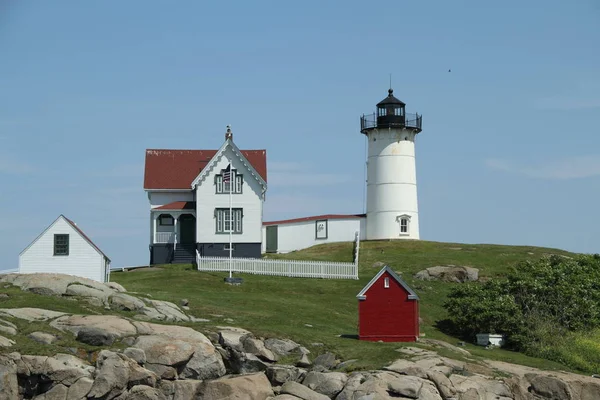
(143, 360)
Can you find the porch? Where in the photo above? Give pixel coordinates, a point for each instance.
(174, 226)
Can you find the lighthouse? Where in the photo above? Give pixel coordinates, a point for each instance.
(392, 207)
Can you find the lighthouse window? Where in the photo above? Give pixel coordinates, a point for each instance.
(404, 225)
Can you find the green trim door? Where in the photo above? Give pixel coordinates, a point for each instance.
(272, 239)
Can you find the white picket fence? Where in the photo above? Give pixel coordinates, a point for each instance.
(291, 268)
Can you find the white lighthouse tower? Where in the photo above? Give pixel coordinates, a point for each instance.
(392, 208)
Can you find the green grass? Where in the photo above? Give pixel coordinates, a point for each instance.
(282, 307)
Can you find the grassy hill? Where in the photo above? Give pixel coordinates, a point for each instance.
(322, 314)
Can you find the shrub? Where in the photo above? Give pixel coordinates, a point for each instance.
(536, 305)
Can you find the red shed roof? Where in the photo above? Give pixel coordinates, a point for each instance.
(176, 169)
(411, 293)
(178, 205)
(315, 218)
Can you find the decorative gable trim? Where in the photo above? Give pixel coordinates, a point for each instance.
(411, 294)
(240, 156)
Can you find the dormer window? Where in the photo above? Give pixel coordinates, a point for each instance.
(223, 187)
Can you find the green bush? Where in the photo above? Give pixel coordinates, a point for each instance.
(537, 306)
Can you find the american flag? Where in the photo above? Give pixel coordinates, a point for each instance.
(227, 174)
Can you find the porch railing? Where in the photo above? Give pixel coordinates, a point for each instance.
(164, 237)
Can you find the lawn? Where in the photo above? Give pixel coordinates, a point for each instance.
(322, 314)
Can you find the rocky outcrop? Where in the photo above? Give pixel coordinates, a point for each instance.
(448, 273)
(111, 295)
(142, 360)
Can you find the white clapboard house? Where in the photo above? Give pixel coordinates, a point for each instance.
(190, 202)
(64, 248)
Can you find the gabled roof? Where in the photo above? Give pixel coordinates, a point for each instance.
(411, 294)
(259, 176)
(316, 218)
(77, 229)
(177, 169)
(178, 205)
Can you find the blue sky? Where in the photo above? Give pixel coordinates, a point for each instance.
(509, 153)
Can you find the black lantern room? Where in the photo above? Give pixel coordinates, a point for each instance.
(390, 113)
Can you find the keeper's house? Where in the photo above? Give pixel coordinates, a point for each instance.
(63, 248)
(190, 202)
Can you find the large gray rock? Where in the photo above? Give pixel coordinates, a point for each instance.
(280, 374)
(239, 387)
(449, 273)
(7, 327)
(95, 336)
(80, 389)
(86, 291)
(137, 355)
(164, 350)
(329, 384)
(281, 347)
(301, 391)
(57, 392)
(141, 392)
(325, 360)
(116, 326)
(206, 363)
(122, 301)
(172, 331)
(61, 368)
(244, 363)
(5, 342)
(49, 283)
(9, 387)
(112, 376)
(548, 387)
(231, 337)
(115, 286)
(389, 384)
(442, 383)
(257, 347)
(42, 337)
(162, 371)
(406, 367)
(354, 381)
(30, 314)
(188, 389)
(168, 311)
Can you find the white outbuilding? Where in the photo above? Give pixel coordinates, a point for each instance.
(64, 248)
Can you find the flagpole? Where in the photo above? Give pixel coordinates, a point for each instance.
(230, 218)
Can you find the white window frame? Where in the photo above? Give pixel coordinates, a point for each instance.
(222, 224)
(404, 221)
(386, 282)
(223, 188)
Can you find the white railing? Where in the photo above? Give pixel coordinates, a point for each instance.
(280, 267)
(164, 237)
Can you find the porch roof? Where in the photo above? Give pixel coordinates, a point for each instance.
(178, 205)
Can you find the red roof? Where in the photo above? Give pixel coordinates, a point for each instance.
(74, 225)
(178, 205)
(177, 169)
(315, 218)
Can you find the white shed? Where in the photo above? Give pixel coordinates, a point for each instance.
(300, 233)
(64, 248)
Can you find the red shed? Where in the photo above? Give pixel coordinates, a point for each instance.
(388, 309)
